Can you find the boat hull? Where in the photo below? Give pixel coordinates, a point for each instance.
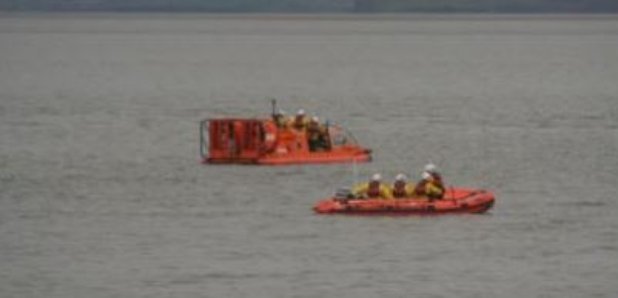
(457, 200)
(261, 142)
(334, 156)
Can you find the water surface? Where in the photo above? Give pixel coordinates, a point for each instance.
(102, 193)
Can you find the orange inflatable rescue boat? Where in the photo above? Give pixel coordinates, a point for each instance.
(269, 142)
(456, 200)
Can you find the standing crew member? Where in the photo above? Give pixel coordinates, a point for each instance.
(313, 134)
(300, 121)
(280, 119)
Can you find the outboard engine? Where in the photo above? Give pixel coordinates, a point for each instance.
(343, 194)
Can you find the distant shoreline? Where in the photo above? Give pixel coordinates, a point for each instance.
(317, 16)
(316, 6)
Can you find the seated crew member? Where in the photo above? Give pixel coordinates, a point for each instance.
(437, 178)
(401, 188)
(373, 189)
(428, 187)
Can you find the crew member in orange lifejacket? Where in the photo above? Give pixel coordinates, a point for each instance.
(300, 121)
(401, 188)
(373, 189)
(428, 187)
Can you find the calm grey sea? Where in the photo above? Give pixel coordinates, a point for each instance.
(102, 193)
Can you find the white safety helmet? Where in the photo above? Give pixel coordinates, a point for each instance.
(315, 119)
(281, 112)
(376, 177)
(426, 175)
(300, 112)
(431, 168)
(400, 177)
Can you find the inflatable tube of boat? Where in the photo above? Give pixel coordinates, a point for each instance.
(457, 200)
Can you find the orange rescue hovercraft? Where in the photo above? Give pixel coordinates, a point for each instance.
(456, 200)
(271, 142)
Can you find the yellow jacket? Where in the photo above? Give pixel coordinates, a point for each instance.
(361, 190)
(432, 190)
(409, 190)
